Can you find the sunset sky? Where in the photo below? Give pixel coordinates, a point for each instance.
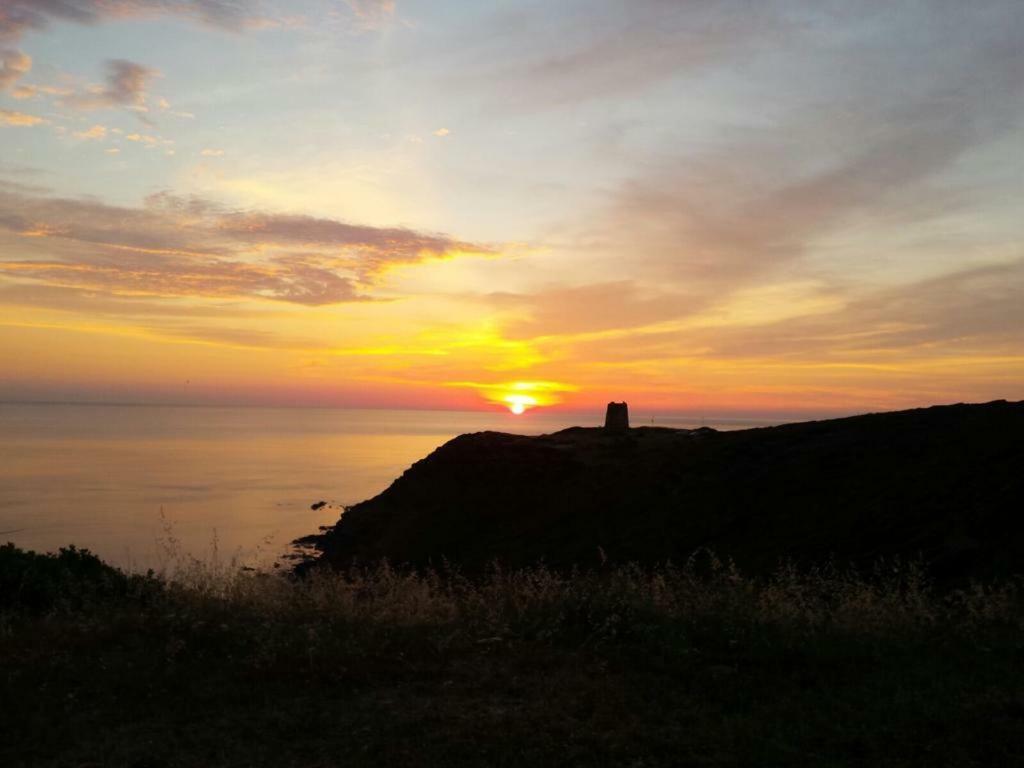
(731, 207)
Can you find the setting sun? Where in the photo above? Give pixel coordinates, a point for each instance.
(519, 396)
(519, 403)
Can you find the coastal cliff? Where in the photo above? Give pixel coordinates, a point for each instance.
(942, 483)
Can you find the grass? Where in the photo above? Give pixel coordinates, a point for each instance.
(689, 665)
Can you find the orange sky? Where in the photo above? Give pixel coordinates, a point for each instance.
(694, 208)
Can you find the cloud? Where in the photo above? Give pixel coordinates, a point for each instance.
(758, 201)
(94, 302)
(576, 51)
(247, 338)
(969, 318)
(967, 311)
(31, 91)
(19, 170)
(20, 16)
(212, 153)
(19, 119)
(368, 250)
(442, 132)
(13, 64)
(98, 302)
(165, 106)
(568, 310)
(126, 83)
(162, 317)
(214, 279)
(97, 132)
(142, 138)
(373, 14)
(193, 247)
(961, 332)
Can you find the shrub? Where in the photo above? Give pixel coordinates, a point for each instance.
(71, 579)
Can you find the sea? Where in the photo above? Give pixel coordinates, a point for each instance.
(151, 486)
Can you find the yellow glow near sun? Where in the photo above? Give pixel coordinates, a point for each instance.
(519, 396)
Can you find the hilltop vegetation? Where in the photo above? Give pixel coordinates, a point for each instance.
(688, 665)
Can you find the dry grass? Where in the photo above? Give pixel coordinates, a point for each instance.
(896, 599)
(210, 663)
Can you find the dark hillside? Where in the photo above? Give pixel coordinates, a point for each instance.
(944, 483)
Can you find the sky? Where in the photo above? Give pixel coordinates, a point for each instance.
(718, 206)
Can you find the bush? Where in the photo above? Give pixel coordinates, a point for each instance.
(69, 580)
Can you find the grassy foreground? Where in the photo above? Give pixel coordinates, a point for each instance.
(689, 665)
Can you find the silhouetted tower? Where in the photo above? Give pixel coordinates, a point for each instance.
(616, 418)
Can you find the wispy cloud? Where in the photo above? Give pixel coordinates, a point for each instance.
(604, 48)
(165, 106)
(20, 16)
(246, 338)
(13, 65)
(19, 169)
(34, 90)
(966, 312)
(193, 247)
(97, 302)
(585, 309)
(755, 205)
(372, 14)
(967, 318)
(19, 119)
(367, 250)
(126, 83)
(96, 133)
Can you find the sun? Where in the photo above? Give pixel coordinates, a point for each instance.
(518, 403)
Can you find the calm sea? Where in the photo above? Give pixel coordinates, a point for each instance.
(135, 483)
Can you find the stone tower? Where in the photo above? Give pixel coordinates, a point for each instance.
(616, 418)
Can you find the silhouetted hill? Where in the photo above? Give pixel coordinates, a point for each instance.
(945, 483)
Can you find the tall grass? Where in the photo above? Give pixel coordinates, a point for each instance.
(618, 665)
(704, 595)
(895, 598)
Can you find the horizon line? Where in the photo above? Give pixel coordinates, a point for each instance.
(496, 409)
(553, 410)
